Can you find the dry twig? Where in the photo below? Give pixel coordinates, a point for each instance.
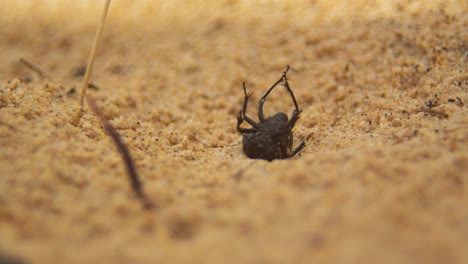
(124, 152)
(92, 56)
(34, 68)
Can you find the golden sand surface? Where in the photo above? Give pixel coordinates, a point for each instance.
(382, 84)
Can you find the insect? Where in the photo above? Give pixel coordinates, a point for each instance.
(271, 138)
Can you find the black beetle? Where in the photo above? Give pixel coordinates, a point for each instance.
(272, 138)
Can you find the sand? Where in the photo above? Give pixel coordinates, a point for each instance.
(382, 84)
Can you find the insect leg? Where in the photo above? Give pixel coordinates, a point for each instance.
(298, 148)
(246, 99)
(241, 117)
(286, 85)
(262, 100)
(294, 118)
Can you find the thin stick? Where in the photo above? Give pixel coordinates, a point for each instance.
(44, 75)
(124, 152)
(8, 125)
(89, 69)
(238, 175)
(434, 112)
(34, 68)
(221, 146)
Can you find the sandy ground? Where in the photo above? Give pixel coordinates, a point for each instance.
(382, 84)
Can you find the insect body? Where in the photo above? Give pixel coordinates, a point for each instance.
(271, 138)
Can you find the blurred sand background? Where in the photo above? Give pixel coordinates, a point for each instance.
(382, 84)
